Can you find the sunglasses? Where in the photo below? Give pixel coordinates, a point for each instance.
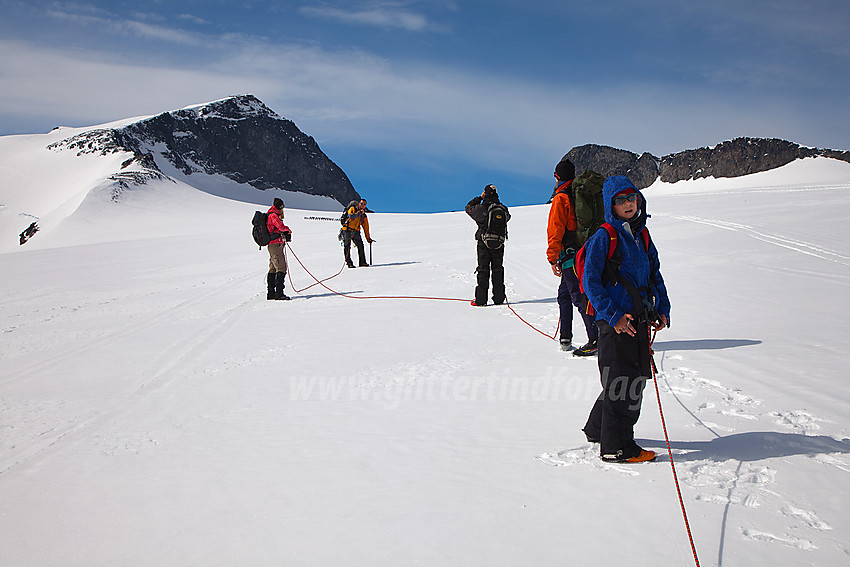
(620, 199)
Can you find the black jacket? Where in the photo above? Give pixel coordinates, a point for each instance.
(477, 209)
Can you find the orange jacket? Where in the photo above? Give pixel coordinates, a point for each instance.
(562, 218)
(357, 219)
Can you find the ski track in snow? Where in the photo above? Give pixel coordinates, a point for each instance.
(53, 430)
(717, 478)
(796, 245)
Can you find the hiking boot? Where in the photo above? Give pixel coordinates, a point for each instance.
(364, 265)
(589, 349)
(350, 264)
(284, 297)
(566, 345)
(475, 304)
(643, 457)
(280, 284)
(271, 285)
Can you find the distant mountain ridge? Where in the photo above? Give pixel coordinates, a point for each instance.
(733, 158)
(238, 137)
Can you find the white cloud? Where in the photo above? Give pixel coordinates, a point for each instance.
(84, 88)
(383, 16)
(131, 27)
(356, 98)
(194, 19)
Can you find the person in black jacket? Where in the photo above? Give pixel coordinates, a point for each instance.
(490, 236)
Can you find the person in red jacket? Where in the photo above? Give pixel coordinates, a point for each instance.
(281, 234)
(562, 246)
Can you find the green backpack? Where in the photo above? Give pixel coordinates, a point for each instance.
(586, 191)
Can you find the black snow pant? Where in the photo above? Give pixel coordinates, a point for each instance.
(490, 261)
(569, 294)
(624, 367)
(349, 236)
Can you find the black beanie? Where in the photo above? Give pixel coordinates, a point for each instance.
(278, 203)
(565, 170)
(490, 190)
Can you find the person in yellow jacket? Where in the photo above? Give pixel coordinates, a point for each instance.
(355, 219)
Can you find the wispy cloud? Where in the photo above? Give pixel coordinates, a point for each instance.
(194, 19)
(130, 27)
(382, 15)
(357, 99)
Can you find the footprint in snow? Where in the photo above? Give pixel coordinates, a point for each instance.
(585, 455)
(790, 541)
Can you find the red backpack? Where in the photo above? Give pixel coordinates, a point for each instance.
(609, 273)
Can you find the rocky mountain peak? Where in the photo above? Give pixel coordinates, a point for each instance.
(238, 137)
(238, 107)
(733, 158)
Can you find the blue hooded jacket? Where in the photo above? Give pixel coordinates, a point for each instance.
(612, 301)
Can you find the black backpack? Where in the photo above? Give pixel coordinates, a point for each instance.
(261, 229)
(496, 231)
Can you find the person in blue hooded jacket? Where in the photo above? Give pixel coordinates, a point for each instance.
(628, 302)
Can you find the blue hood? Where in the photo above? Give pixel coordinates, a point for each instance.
(610, 188)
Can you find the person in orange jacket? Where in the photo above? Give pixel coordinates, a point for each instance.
(562, 246)
(355, 218)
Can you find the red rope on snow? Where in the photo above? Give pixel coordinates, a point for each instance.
(289, 273)
(652, 334)
(321, 282)
(553, 336)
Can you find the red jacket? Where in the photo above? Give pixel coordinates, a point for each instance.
(275, 225)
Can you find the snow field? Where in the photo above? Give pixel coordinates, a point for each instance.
(156, 409)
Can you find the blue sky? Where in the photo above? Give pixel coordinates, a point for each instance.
(422, 103)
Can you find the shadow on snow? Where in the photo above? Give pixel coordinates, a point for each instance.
(754, 446)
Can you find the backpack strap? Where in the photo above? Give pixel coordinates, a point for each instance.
(644, 235)
(645, 307)
(612, 239)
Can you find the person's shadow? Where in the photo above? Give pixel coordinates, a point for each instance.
(753, 446)
(702, 344)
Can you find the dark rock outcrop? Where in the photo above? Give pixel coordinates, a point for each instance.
(238, 137)
(734, 158)
(641, 169)
(741, 156)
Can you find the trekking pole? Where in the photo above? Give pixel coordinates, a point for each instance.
(370, 254)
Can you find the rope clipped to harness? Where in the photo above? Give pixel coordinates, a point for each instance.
(652, 332)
